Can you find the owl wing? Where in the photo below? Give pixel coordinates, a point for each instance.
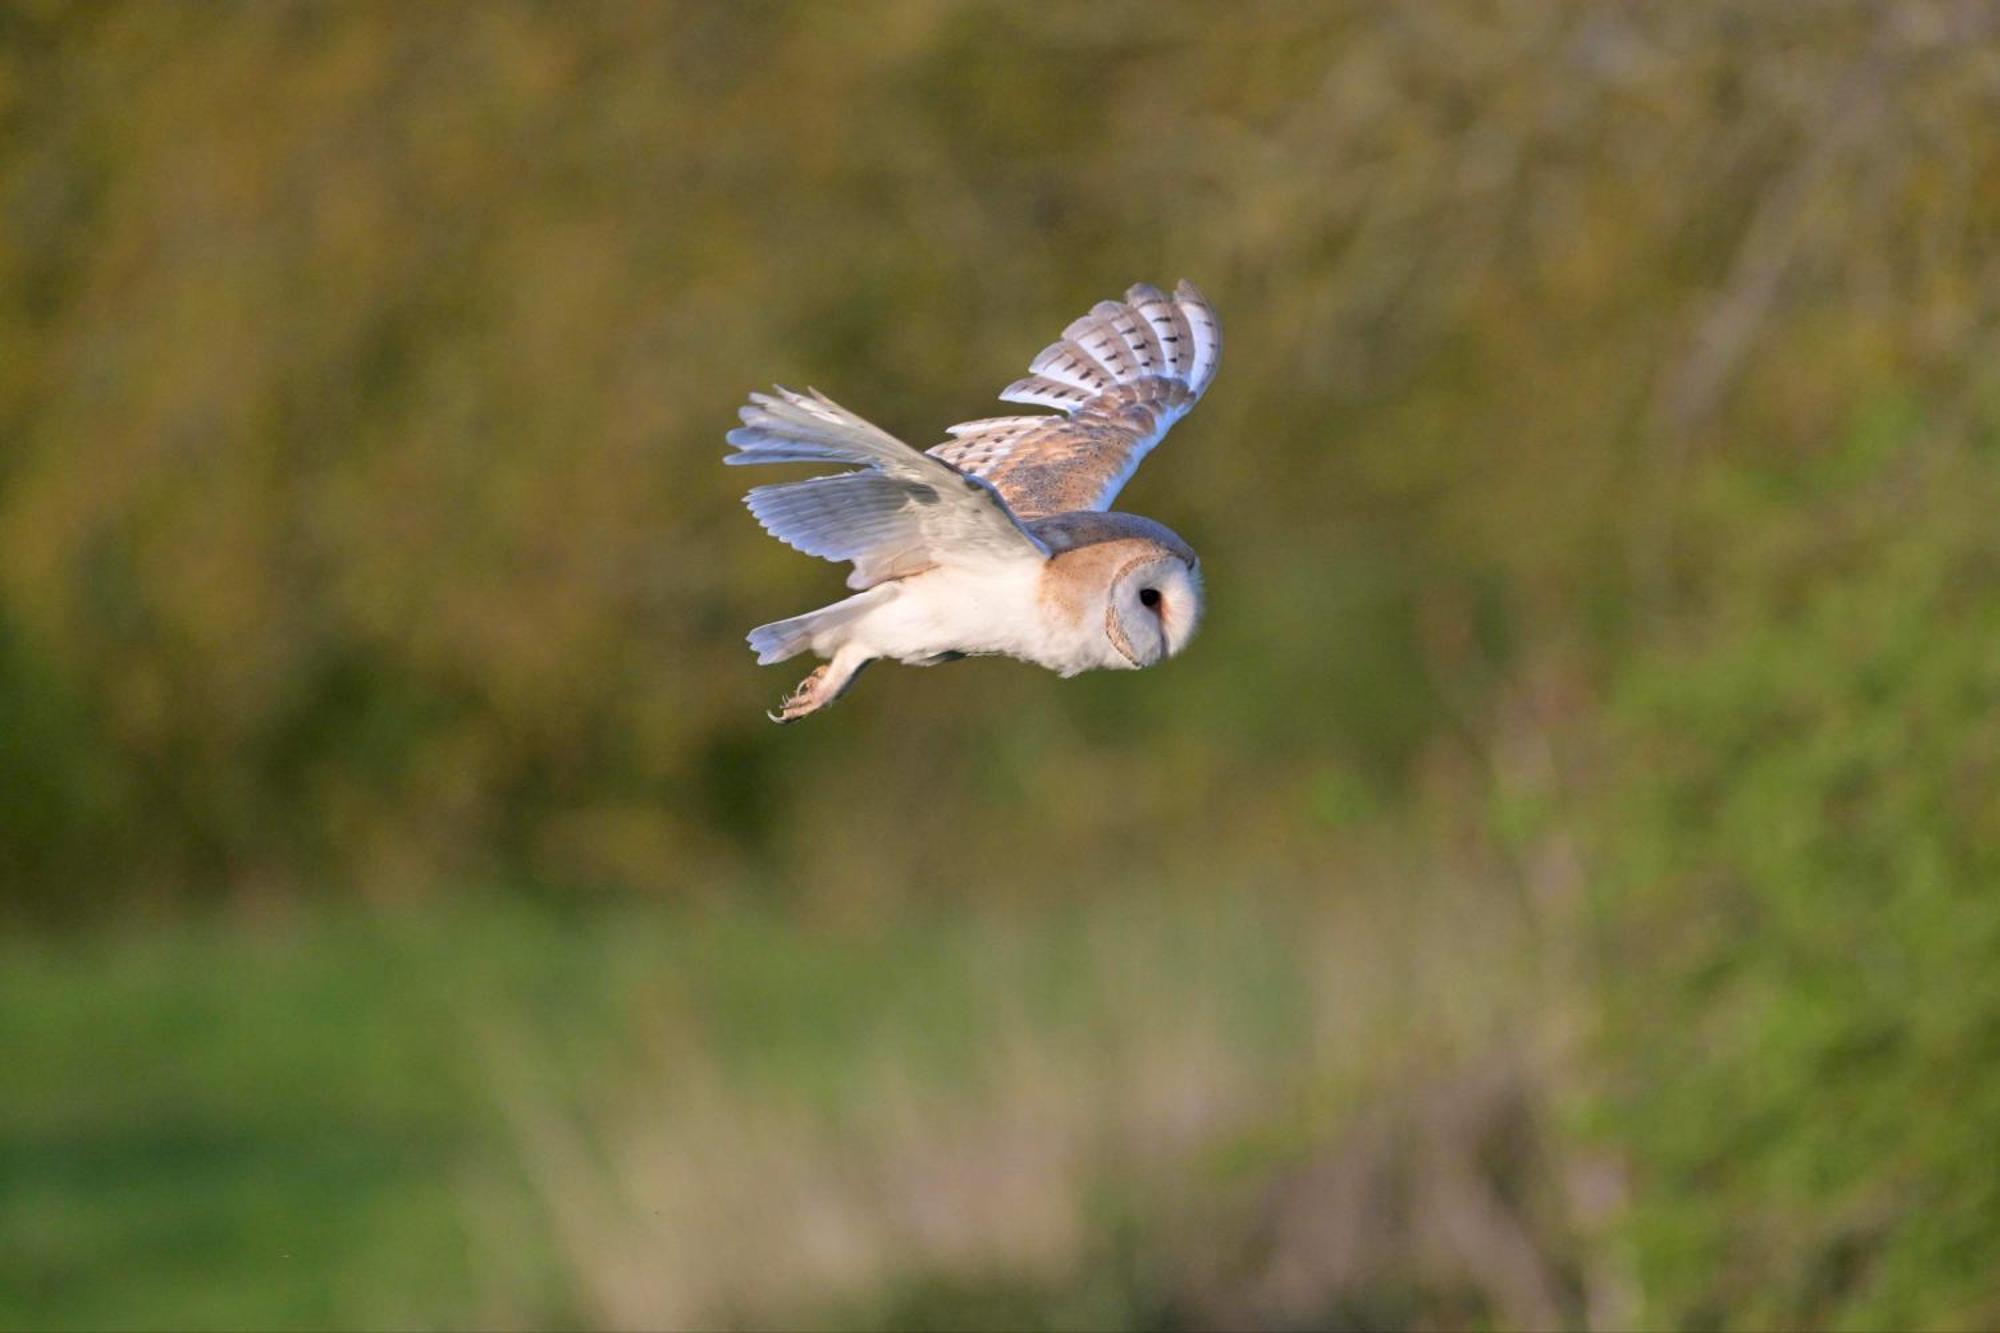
(1121, 375)
(902, 512)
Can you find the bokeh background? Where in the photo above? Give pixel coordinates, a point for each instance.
(1560, 887)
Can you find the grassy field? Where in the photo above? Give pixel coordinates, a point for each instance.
(629, 1117)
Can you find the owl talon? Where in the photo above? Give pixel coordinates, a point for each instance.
(806, 698)
(828, 681)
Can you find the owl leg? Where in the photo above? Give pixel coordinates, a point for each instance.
(828, 681)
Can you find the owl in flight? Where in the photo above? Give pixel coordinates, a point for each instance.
(1002, 539)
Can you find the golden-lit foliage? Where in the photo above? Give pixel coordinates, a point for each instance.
(363, 371)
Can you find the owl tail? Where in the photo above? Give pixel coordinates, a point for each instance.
(788, 638)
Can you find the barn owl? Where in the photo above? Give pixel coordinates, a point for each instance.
(1000, 540)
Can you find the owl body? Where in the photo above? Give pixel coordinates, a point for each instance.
(998, 541)
(1061, 614)
(947, 612)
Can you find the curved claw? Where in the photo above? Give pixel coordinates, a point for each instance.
(828, 681)
(808, 697)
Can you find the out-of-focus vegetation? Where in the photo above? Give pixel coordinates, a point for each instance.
(492, 1117)
(1801, 850)
(1558, 887)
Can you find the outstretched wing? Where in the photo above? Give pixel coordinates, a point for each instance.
(902, 512)
(1122, 375)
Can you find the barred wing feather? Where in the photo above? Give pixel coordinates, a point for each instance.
(1121, 375)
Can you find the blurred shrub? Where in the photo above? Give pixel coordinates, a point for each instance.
(1803, 1013)
(362, 375)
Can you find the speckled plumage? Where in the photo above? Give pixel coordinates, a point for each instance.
(997, 541)
(1121, 375)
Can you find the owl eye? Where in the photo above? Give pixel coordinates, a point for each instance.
(1149, 598)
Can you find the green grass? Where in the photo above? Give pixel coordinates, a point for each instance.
(344, 1121)
(210, 1130)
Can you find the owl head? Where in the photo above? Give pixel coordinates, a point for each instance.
(1152, 606)
(1133, 576)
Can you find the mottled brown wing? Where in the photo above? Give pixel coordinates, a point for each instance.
(1121, 375)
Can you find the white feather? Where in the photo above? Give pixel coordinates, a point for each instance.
(906, 511)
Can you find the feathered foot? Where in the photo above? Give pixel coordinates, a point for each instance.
(828, 681)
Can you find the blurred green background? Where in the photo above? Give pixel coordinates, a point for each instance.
(1560, 886)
